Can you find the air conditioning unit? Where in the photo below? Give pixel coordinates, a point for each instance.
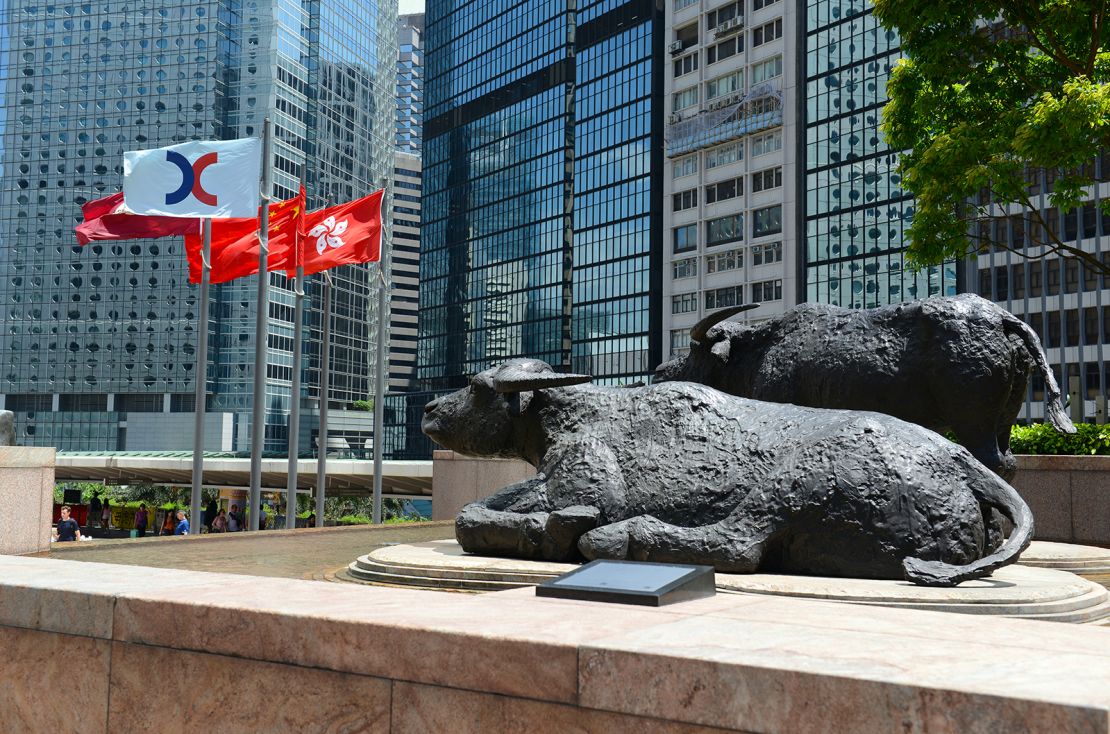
(675, 47)
(730, 25)
(718, 103)
(673, 119)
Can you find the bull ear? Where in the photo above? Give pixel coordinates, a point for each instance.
(721, 349)
(519, 378)
(700, 329)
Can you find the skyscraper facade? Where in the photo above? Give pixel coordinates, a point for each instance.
(542, 157)
(410, 82)
(856, 213)
(404, 303)
(855, 210)
(729, 210)
(99, 342)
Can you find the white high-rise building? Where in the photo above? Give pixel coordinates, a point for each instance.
(729, 204)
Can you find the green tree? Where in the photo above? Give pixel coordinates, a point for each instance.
(991, 91)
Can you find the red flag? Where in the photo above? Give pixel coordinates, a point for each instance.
(106, 219)
(342, 235)
(235, 243)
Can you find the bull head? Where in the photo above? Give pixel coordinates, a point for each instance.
(692, 366)
(483, 419)
(520, 377)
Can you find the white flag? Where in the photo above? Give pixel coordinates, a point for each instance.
(204, 178)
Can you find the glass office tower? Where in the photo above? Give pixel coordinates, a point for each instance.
(98, 343)
(542, 156)
(855, 210)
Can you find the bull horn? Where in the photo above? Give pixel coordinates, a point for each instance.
(700, 329)
(513, 378)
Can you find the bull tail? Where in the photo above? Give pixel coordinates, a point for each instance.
(993, 491)
(1054, 409)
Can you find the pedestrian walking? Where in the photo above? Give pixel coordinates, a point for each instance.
(106, 514)
(67, 528)
(94, 511)
(182, 527)
(210, 513)
(168, 523)
(234, 520)
(219, 522)
(142, 519)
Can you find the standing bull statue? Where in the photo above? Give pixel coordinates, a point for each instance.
(680, 472)
(946, 363)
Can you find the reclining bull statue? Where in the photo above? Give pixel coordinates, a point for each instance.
(680, 472)
(946, 363)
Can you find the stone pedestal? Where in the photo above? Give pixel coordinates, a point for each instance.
(1013, 591)
(458, 480)
(26, 499)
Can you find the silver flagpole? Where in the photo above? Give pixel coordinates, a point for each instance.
(325, 389)
(261, 333)
(295, 406)
(379, 392)
(200, 374)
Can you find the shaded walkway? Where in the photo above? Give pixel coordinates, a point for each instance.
(308, 553)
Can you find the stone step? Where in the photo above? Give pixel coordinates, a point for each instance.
(424, 582)
(372, 565)
(1089, 607)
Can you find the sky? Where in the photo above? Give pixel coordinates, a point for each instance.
(410, 6)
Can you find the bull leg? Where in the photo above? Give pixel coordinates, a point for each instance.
(517, 522)
(1006, 419)
(733, 545)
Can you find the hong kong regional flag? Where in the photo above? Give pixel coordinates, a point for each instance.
(235, 243)
(342, 235)
(107, 219)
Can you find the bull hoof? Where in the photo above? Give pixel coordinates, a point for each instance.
(609, 542)
(563, 529)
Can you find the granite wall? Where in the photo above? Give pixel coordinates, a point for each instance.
(1069, 496)
(26, 498)
(307, 656)
(458, 480)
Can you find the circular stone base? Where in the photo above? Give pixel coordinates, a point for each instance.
(1087, 561)
(1013, 591)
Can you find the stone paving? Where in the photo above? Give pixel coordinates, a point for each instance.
(314, 553)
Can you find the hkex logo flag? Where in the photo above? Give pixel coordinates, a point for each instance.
(217, 179)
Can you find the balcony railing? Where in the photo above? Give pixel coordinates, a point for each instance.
(759, 109)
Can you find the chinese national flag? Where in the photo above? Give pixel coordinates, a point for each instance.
(106, 219)
(342, 235)
(235, 243)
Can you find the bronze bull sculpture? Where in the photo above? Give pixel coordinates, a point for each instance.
(680, 472)
(946, 363)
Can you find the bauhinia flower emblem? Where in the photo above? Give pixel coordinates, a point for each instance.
(328, 234)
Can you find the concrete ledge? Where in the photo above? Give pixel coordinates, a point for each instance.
(512, 662)
(1069, 496)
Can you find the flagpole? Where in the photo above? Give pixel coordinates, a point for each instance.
(200, 374)
(295, 406)
(261, 333)
(325, 389)
(379, 392)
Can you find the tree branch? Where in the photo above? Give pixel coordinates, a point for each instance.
(1053, 49)
(1057, 245)
(1096, 41)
